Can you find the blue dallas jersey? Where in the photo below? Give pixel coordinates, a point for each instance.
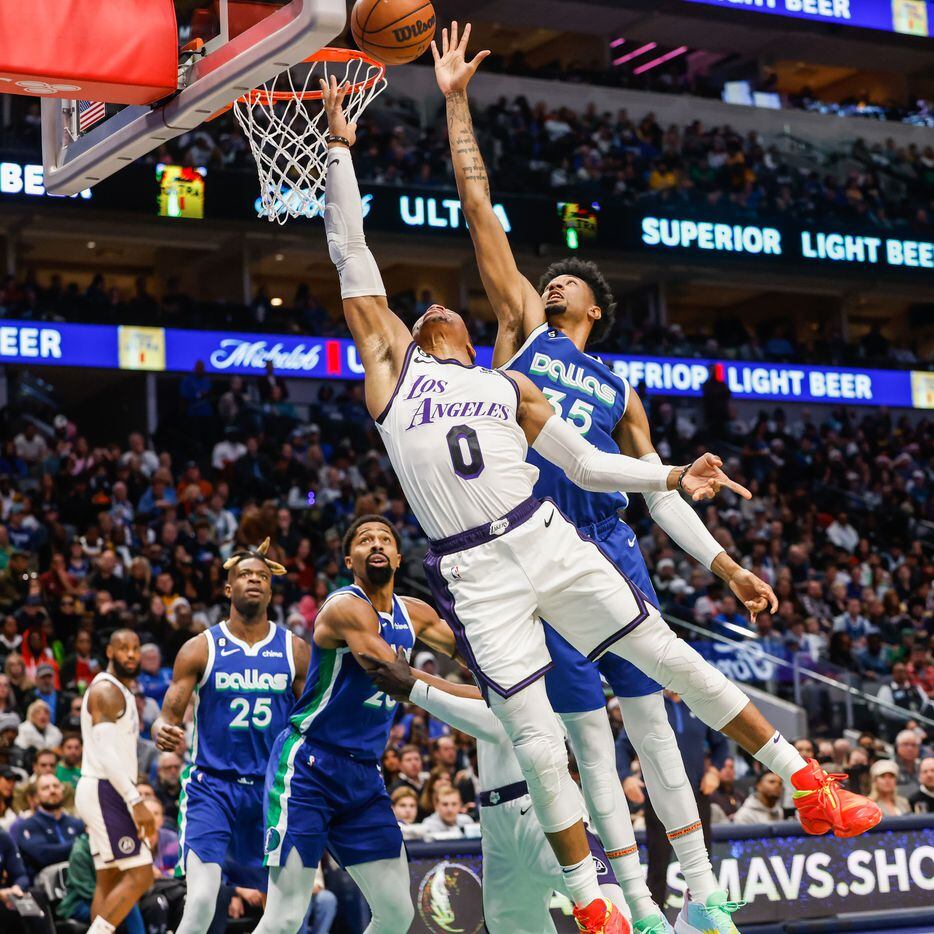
(340, 707)
(242, 702)
(591, 398)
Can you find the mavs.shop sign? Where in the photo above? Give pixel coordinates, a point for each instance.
(128, 347)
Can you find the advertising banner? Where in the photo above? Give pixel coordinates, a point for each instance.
(781, 873)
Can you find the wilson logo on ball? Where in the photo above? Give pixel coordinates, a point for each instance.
(419, 28)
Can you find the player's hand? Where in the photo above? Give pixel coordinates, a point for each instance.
(634, 789)
(332, 95)
(145, 820)
(452, 70)
(394, 678)
(170, 738)
(753, 592)
(705, 479)
(251, 896)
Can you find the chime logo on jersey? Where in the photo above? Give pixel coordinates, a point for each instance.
(572, 376)
(251, 680)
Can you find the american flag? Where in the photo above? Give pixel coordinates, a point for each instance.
(89, 112)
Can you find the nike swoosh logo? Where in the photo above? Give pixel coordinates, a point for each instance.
(631, 541)
(548, 520)
(229, 651)
(333, 162)
(525, 810)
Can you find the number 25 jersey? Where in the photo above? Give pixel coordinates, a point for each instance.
(455, 445)
(591, 398)
(242, 702)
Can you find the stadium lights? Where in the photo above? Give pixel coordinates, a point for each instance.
(674, 53)
(644, 48)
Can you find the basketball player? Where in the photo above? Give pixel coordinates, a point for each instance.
(457, 436)
(117, 820)
(323, 786)
(520, 872)
(244, 674)
(544, 336)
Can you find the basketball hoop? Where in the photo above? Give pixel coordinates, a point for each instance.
(286, 127)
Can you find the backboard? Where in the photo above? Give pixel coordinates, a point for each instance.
(248, 42)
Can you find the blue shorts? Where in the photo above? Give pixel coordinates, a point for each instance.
(574, 683)
(318, 798)
(221, 821)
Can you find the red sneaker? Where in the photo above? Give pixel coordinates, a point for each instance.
(823, 805)
(601, 916)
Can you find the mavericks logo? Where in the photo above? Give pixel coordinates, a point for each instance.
(449, 900)
(572, 376)
(273, 839)
(251, 680)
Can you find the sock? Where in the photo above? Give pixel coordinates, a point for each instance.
(628, 872)
(101, 926)
(688, 844)
(581, 881)
(781, 757)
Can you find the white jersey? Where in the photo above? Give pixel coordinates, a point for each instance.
(126, 740)
(454, 442)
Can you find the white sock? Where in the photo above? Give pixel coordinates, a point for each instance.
(581, 881)
(101, 926)
(781, 757)
(688, 844)
(629, 875)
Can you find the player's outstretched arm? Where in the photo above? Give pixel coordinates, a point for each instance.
(518, 307)
(381, 338)
(458, 705)
(354, 623)
(190, 663)
(106, 705)
(430, 628)
(683, 525)
(600, 472)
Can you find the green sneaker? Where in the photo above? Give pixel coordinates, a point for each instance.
(713, 918)
(653, 924)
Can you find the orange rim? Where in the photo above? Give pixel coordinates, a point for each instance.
(326, 54)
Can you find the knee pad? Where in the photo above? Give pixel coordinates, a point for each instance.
(658, 752)
(544, 764)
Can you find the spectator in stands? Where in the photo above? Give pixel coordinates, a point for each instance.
(884, 775)
(907, 758)
(153, 678)
(444, 756)
(852, 621)
(729, 621)
(763, 806)
(44, 763)
(922, 801)
(405, 804)
(900, 692)
(411, 773)
(80, 668)
(726, 800)
(48, 836)
(165, 848)
(842, 534)
(37, 731)
(68, 769)
(7, 782)
(447, 818)
(14, 881)
(45, 691)
(168, 785)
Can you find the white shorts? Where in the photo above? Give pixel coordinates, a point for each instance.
(493, 585)
(115, 844)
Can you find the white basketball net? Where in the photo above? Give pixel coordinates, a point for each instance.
(286, 130)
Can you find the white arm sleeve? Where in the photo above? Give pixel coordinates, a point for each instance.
(681, 522)
(466, 714)
(106, 742)
(593, 469)
(343, 221)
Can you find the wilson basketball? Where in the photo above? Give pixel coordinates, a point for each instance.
(393, 31)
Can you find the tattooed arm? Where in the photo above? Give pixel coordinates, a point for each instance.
(192, 659)
(518, 307)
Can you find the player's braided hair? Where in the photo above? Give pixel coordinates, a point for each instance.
(588, 272)
(259, 553)
(365, 520)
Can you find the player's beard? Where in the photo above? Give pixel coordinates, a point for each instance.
(123, 672)
(555, 308)
(249, 609)
(379, 574)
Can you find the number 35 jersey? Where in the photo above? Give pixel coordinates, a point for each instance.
(455, 445)
(340, 707)
(591, 398)
(242, 702)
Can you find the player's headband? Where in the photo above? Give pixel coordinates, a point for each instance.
(275, 568)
